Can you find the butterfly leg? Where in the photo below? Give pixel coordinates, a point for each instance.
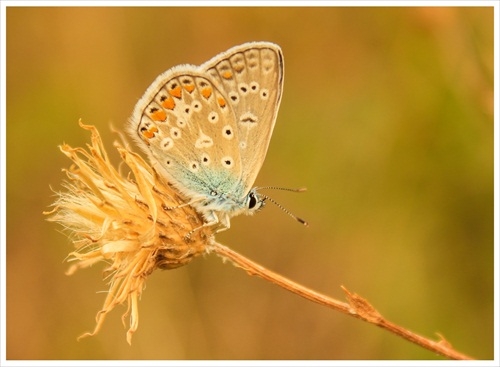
(212, 220)
(176, 207)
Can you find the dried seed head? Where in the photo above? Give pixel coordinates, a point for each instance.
(136, 223)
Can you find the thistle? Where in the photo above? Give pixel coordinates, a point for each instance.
(134, 221)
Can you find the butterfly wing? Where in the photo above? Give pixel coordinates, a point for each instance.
(251, 76)
(185, 123)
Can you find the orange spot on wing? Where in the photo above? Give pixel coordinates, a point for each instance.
(206, 92)
(148, 134)
(176, 92)
(189, 87)
(222, 102)
(168, 103)
(159, 115)
(227, 74)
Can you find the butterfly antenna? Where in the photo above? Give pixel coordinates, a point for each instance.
(300, 189)
(265, 197)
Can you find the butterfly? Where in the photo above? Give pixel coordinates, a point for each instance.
(207, 128)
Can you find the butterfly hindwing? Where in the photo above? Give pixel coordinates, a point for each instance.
(187, 125)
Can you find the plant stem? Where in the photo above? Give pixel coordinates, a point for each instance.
(356, 307)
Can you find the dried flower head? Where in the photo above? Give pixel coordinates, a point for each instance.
(135, 223)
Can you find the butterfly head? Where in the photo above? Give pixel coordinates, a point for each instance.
(220, 207)
(253, 202)
(231, 205)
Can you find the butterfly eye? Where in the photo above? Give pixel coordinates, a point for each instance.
(252, 202)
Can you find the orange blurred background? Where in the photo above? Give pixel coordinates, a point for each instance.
(386, 118)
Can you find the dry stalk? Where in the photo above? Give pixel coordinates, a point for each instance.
(356, 307)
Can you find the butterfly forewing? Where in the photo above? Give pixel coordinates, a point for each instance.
(251, 76)
(187, 125)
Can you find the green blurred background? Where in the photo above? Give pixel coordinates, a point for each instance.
(387, 119)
